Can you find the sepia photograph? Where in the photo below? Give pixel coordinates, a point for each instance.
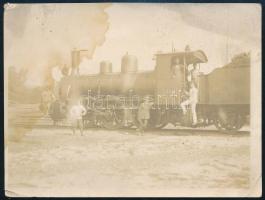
(132, 100)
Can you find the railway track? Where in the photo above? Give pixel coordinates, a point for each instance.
(29, 116)
(47, 123)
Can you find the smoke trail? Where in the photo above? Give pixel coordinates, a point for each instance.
(41, 36)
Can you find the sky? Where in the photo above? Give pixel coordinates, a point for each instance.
(109, 31)
(221, 31)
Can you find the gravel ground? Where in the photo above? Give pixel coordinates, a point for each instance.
(120, 163)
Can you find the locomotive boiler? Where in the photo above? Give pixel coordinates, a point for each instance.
(112, 99)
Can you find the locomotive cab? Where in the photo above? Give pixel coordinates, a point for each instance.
(172, 70)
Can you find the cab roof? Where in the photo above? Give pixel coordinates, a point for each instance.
(191, 56)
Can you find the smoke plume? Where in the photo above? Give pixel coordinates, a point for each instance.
(39, 37)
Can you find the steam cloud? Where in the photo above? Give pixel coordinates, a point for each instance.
(41, 36)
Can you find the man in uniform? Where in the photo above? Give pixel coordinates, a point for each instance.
(177, 69)
(47, 97)
(143, 114)
(57, 111)
(192, 101)
(76, 114)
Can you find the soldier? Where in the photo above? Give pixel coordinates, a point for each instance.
(177, 69)
(47, 97)
(195, 74)
(189, 73)
(57, 111)
(192, 101)
(128, 118)
(143, 114)
(76, 114)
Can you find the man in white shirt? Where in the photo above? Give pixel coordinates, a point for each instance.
(76, 114)
(192, 101)
(195, 73)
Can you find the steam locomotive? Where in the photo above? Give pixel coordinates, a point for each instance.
(112, 99)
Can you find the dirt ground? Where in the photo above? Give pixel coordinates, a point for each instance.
(55, 162)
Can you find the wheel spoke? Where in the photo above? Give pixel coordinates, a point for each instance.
(229, 120)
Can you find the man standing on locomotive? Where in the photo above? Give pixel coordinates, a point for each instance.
(195, 74)
(76, 114)
(192, 101)
(143, 114)
(177, 69)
